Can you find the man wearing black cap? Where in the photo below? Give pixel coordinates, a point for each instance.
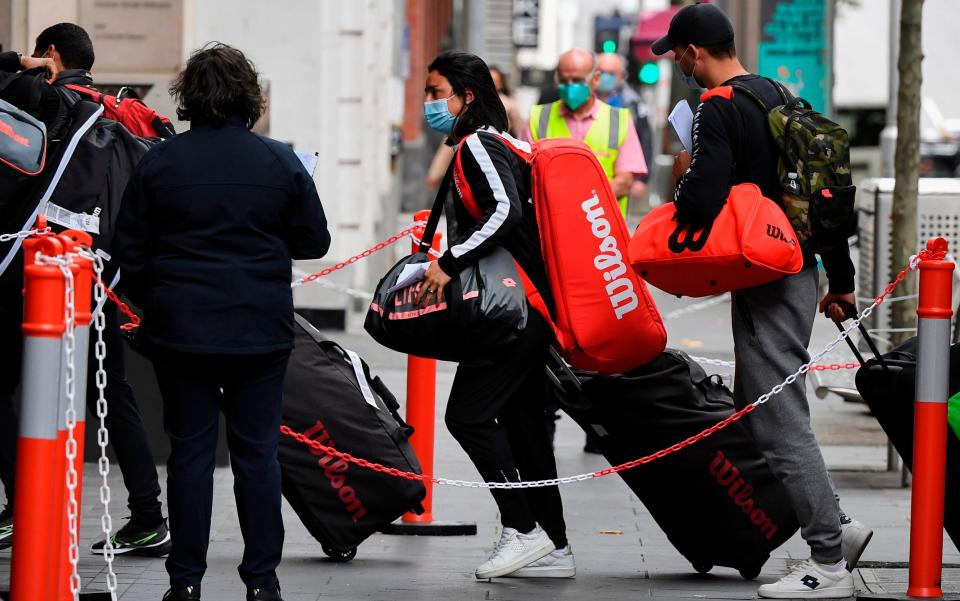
(771, 323)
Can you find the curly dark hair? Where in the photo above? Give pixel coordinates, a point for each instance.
(218, 82)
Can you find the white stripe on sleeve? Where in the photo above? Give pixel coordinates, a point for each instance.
(503, 201)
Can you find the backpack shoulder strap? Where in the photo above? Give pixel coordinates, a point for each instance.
(749, 93)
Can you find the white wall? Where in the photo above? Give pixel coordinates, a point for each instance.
(329, 66)
(862, 54)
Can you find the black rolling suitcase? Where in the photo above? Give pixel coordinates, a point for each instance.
(886, 384)
(717, 501)
(329, 395)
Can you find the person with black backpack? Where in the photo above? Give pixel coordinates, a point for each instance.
(66, 52)
(750, 129)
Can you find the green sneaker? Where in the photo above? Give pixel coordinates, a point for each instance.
(134, 539)
(6, 528)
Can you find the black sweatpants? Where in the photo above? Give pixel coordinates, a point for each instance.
(124, 422)
(248, 389)
(496, 413)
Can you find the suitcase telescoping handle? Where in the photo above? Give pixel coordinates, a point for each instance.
(850, 312)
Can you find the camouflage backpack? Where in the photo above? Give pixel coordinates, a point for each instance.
(814, 170)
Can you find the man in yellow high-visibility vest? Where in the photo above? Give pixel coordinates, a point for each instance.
(580, 115)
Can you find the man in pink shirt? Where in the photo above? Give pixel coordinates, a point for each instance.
(580, 115)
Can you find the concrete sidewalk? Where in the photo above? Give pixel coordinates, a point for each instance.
(621, 552)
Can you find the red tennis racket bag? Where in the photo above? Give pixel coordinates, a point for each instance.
(605, 319)
(751, 242)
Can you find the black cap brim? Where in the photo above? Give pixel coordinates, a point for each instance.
(661, 46)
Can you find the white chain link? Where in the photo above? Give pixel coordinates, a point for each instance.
(354, 292)
(714, 362)
(103, 437)
(24, 234)
(69, 345)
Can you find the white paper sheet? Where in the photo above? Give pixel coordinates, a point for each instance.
(681, 118)
(309, 160)
(411, 274)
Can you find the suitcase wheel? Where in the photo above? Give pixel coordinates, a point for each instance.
(749, 573)
(702, 568)
(339, 555)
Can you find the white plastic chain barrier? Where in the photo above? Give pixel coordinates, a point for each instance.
(789, 380)
(24, 234)
(103, 437)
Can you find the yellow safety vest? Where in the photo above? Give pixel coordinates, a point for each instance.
(606, 135)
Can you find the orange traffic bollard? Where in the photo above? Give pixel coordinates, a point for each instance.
(935, 308)
(74, 240)
(421, 415)
(36, 516)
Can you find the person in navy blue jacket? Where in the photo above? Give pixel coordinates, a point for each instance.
(208, 227)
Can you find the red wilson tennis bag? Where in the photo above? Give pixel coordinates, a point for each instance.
(749, 243)
(606, 320)
(481, 309)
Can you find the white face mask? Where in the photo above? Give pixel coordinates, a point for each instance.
(689, 80)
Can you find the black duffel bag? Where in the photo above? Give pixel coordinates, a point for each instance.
(330, 396)
(717, 501)
(481, 309)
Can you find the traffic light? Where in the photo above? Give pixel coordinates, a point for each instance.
(649, 73)
(606, 33)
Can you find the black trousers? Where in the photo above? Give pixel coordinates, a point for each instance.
(248, 390)
(496, 413)
(124, 422)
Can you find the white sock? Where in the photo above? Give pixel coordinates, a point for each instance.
(834, 567)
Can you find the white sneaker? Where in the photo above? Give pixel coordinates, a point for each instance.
(558, 564)
(810, 580)
(514, 551)
(856, 536)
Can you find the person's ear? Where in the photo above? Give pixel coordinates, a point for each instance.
(468, 96)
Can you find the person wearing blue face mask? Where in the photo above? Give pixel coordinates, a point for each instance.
(771, 323)
(614, 90)
(496, 407)
(581, 115)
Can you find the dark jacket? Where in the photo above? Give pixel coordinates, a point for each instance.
(500, 184)
(732, 144)
(209, 224)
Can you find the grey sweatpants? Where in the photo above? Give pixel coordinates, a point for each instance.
(771, 330)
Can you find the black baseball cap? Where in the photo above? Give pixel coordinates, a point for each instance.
(698, 24)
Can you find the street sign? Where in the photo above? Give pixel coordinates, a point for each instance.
(795, 48)
(526, 23)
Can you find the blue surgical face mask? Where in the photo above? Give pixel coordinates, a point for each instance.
(438, 115)
(608, 83)
(574, 94)
(688, 80)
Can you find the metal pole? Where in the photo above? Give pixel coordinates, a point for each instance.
(421, 415)
(935, 308)
(36, 519)
(421, 403)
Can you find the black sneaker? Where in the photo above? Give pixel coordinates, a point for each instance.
(6, 528)
(186, 593)
(264, 594)
(134, 539)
